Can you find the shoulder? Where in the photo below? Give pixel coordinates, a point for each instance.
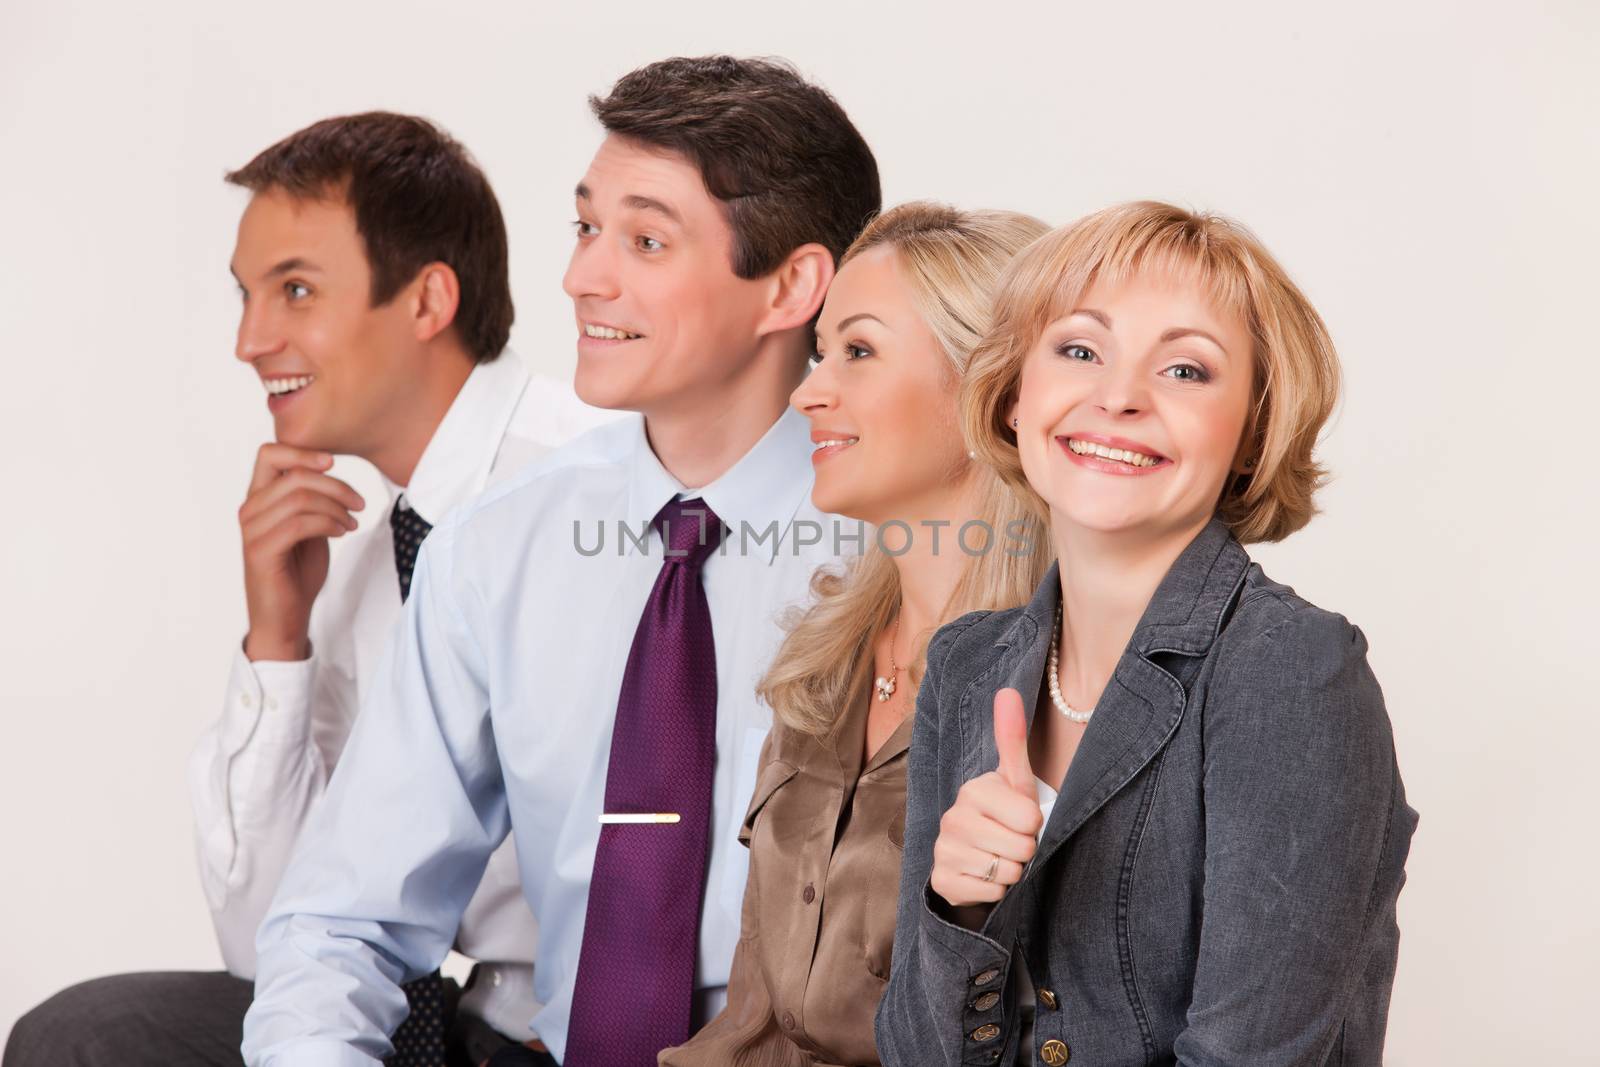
(550, 415)
(967, 642)
(1276, 631)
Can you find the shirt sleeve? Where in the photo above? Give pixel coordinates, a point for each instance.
(1307, 830)
(388, 861)
(253, 778)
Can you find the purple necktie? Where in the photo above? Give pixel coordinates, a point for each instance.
(641, 934)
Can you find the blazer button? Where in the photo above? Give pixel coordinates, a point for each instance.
(1055, 1053)
(986, 1032)
(986, 977)
(808, 894)
(987, 1001)
(1048, 999)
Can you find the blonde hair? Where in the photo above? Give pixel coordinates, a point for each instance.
(951, 261)
(1296, 379)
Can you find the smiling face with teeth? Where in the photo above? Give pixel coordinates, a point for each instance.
(1132, 408)
(340, 375)
(663, 321)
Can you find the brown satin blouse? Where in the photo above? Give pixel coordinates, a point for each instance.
(825, 830)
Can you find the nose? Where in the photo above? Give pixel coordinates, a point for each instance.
(591, 272)
(817, 392)
(259, 334)
(1121, 391)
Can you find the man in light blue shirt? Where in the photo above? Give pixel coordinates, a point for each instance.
(709, 224)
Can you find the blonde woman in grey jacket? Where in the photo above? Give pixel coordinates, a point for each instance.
(1153, 817)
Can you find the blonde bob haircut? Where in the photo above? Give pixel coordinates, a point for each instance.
(950, 261)
(1296, 379)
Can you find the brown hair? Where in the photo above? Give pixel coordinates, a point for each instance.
(1296, 380)
(418, 198)
(779, 152)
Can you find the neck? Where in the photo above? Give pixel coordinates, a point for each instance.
(929, 574)
(409, 429)
(698, 438)
(1107, 582)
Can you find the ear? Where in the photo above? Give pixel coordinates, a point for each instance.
(1011, 415)
(435, 298)
(797, 288)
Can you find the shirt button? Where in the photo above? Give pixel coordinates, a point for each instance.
(1048, 999)
(247, 700)
(788, 1021)
(808, 894)
(1055, 1053)
(986, 1032)
(987, 1001)
(495, 978)
(986, 977)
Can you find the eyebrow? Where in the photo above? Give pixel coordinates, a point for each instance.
(845, 324)
(1099, 316)
(638, 203)
(293, 263)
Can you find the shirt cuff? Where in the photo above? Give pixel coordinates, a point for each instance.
(268, 701)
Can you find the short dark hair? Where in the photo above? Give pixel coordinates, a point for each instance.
(779, 152)
(418, 198)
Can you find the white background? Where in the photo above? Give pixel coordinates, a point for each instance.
(1427, 171)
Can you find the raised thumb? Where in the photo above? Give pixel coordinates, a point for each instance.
(1011, 739)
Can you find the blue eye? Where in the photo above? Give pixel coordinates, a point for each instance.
(1187, 372)
(1077, 353)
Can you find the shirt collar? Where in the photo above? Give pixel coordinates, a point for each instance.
(769, 482)
(456, 463)
(1184, 615)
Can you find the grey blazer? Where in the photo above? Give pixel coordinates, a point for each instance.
(1217, 881)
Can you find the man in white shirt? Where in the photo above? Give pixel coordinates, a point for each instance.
(372, 264)
(575, 663)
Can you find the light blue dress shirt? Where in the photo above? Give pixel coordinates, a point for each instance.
(492, 710)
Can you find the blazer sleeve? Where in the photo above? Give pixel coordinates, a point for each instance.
(938, 969)
(1306, 831)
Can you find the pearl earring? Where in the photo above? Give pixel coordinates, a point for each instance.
(1015, 423)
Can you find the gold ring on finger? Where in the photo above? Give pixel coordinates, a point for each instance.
(994, 869)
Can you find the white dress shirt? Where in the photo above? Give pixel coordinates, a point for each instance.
(259, 770)
(499, 695)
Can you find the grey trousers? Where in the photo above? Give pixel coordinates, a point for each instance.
(170, 1019)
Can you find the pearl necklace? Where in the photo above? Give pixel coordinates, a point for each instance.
(1055, 676)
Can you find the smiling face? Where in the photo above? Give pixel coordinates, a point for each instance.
(1132, 408)
(661, 316)
(336, 370)
(881, 398)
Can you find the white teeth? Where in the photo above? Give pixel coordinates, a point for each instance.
(607, 333)
(1118, 455)
(279, 386)
(829, 444)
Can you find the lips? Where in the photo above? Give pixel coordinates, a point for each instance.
(599, 331)
(1115, 455)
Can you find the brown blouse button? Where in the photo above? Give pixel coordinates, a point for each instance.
(1055, 1053)
(1048, 999)
(808, 894)
(985, 978)
(987, 1001)
(986, 1032)
(788, 1021)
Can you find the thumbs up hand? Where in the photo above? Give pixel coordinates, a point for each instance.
(988, 834)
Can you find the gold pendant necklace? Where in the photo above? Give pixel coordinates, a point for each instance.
(885, 686)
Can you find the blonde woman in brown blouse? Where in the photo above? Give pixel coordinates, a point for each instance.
(825, 825)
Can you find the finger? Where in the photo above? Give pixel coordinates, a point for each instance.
(974, 830)
(274, 458)
(974, 861)
(268, 495)
(961, 890)
(302, 502)
(991, 797)
(298, 529)
(1011, 739)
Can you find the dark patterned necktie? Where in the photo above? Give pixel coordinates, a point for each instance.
(641, 934)
(419, 1042)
